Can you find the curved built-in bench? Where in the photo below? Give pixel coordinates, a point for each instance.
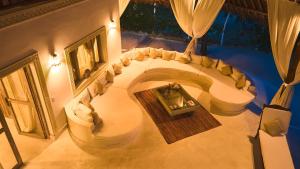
(122, 117)
(225, 98)
(122, 120)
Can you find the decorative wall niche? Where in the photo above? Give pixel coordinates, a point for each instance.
(86, 59)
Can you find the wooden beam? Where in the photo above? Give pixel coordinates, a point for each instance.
(258, 5)
(252, 5)
(248, 13)
(253, 9)
(297, 1)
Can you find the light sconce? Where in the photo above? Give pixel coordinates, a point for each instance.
(55, 61)
(112, 24)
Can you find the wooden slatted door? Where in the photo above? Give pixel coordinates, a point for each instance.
(22, 104)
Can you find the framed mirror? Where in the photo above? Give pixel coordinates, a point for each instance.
(86, 59)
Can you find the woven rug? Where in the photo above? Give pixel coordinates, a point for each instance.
(174, 129)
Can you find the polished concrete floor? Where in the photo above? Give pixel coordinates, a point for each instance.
(226, 147)
(28, 147)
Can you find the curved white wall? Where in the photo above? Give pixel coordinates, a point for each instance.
(52, 33)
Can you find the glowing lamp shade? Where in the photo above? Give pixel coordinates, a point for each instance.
(112, 25)
(55, 60)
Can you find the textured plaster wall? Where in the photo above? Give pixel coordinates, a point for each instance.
(52, 33)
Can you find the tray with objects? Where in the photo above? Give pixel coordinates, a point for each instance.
(175, 99)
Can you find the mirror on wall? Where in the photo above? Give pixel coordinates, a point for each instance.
(86, 59)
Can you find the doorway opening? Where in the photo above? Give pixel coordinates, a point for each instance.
(25, 118)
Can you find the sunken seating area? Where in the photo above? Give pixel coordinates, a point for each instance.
(120, 111)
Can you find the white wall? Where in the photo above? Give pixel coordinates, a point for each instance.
(52, 33)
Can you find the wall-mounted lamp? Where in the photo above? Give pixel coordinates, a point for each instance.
(55, 60)
(112, 24)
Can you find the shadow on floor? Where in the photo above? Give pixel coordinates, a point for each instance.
(257, 156)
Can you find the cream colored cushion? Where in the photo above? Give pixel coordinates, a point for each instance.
(125, 61)
(227, 70)
(224, 68)
(129, 54)
(86, 97)
(97, 120)
(252, 89)
(247, 85)
(180, 57)
(139, 56)
(86, 100)
(93, 89)
(168, 55)
(110, 74)
(236, 74)
(155, 53)
(215, 63)
(197, 59)
(102, 79)
(83, 112)
(144, 51)
(241, 83)
(100, 88)
(117, 68)
(207, 62)
(273, 128)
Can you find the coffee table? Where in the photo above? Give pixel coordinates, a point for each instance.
(176, 100)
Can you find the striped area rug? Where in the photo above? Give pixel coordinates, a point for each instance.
(180, 127)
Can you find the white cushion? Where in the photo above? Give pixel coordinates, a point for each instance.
(129, 54)
(241, 83)
(247, 85)
(273, 127)
(117, 68)
(215, 63)
(102, 79)
(126, 60)
(83, 112)
(93, 89)
(100, 88)
(207, 62)
(110, 74)
(236, 74)
(155, 53)
(224, 68)
(145, 51)
(197, 59)
(182, 58)
(139, 56)
(168, 55)
(86, 97)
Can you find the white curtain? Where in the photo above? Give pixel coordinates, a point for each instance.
(284, 25)
(85, 57)
(122, 6)
(183, 11)
(195, 20)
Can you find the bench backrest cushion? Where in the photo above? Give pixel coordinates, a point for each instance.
(272, 114)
